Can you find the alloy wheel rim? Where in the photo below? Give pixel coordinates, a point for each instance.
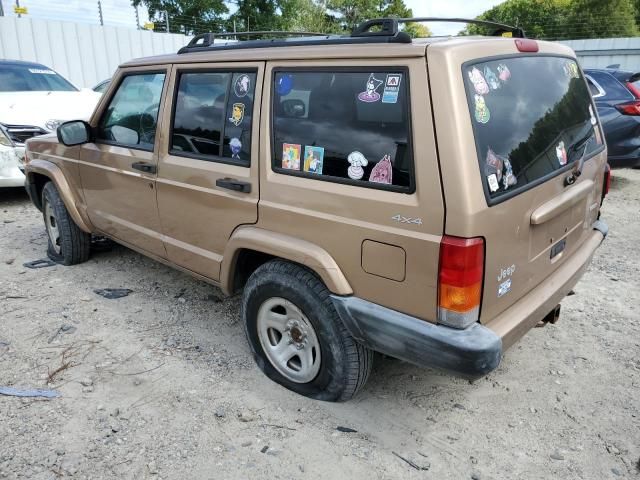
(52, 227)
(288, 340)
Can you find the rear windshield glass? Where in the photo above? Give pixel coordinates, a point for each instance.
(531, 116)
(32, 78)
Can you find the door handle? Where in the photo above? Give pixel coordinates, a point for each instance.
(235, 185)
(144, 167)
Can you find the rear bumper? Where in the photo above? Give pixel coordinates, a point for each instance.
(472, 352)
(476, 350)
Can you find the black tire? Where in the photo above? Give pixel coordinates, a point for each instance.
(72, 245)
(345, 364)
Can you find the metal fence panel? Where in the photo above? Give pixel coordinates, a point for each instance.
(83, 53)
(602, 52)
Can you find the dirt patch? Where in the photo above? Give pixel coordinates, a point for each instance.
(160, 383)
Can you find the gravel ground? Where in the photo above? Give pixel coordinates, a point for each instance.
(161, 384)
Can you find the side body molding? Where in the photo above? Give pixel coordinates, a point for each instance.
(69, 196)
(285, 247)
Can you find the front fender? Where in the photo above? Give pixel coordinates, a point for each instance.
(69, 196)
(285, 247)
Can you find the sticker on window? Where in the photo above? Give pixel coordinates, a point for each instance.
(237, 114)
(494, 165)
(382, 171)
(370, 93)
(479, 83)
(491, 79)
(391, 88)
(313, 159)
(42, 71)
(482, 111)
(494, 185)
(242, 85)
(508, 179)
(291, 156)
(561, 153)
(504, 73)
(357, 161)
(284, 85)
(236, 146)
(571, 69)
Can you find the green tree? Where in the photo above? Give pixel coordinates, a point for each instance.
(306, 16)
(187, 16)
(352, 12)
(257, 15)
(602, 19)
(538, 18)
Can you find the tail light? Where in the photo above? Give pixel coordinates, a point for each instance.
(460, 280)
(629, 108)
(633, 89)
(606, 183)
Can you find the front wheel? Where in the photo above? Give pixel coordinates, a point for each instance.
(297, 337)
(67, 243)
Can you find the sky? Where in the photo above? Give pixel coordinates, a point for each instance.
(121, 13)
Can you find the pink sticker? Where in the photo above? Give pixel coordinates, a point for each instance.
(479, 83)
(382, 172)
(370, 94)
(561, 153)
(504, 73)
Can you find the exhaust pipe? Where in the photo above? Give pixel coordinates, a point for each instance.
(552, 317)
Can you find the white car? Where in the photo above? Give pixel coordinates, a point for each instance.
(34, 100)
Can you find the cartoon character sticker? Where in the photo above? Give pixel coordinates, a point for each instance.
(561, 153)
(242, 85)
(491, 78)
(494, 165)
(504, 73)
(479, 83)
(382, 171)
(284, 84)
(357, 161)
(571, 69)
(236, 146)
(370, 94)
(391, 88)
(508, 179)
(494, 185)
(313, 159)
(482, 111)
(237, 114)
(291, 156)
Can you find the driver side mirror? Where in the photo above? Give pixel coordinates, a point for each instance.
(75, 132)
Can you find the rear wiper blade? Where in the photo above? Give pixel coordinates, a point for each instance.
(577, 169)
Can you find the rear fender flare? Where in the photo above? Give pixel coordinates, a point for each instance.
(69, 197)
(285, 247)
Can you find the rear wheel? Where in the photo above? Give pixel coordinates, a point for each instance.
(67, 244)
(297, 337)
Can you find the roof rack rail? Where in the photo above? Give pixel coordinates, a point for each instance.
(390, 26)
(206, 40)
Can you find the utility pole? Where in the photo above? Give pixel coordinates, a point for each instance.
(166, 19)
(1, 9)
(99, 13)
(17, 5)
(137, 19)
(234, 29)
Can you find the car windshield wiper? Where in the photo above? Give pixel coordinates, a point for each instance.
(577, 169)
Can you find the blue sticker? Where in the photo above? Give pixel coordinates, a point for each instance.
(391, 88)
(284, 84)
(504, 287)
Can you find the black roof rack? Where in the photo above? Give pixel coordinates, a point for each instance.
(388, 31)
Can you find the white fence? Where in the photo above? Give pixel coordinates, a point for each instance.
(602, 52)
(83, 53)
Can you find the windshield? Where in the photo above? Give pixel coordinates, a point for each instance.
(531, 116)
(32, 78)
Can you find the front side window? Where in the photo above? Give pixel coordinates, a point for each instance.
(213, 116)
(531, 117)
(343, 126)
(132, 115)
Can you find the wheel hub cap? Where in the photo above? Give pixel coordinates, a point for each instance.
(52, 227)
(289, 340)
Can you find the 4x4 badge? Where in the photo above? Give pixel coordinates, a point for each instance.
(402, 219)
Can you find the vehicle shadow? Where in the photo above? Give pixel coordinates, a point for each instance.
(13, 195)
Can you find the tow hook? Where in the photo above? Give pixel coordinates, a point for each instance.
(552, 317)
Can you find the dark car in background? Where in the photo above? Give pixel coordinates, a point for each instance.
(617, 97)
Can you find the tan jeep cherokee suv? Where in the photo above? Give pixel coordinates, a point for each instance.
(430, 199)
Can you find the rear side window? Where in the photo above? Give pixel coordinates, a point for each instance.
(531, 116)
(614, 90)
(132, 115)
(212, 116)
(344, 126)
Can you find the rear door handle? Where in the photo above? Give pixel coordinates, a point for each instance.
(235, 185)
(144, 167)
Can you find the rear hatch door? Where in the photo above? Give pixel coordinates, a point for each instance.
(512, 128)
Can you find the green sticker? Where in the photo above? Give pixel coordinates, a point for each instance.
(482, 111)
